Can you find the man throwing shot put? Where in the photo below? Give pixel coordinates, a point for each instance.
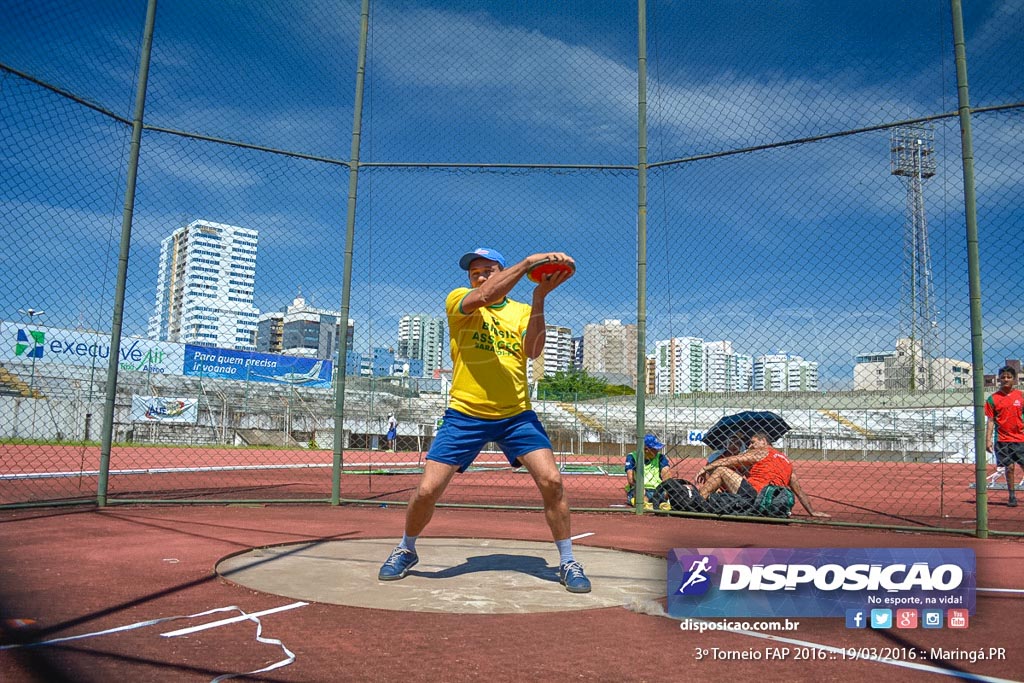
(492, 337)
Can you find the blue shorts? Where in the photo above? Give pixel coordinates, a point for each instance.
(461, 437)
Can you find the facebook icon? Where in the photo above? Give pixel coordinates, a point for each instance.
(856, 618)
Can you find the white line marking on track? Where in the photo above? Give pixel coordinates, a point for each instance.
(232, 620)
(254, 617)
(128, 627)
(1002, 590)
(579, 536)
(233, 468)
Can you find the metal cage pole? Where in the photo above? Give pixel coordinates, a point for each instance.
(122, 259)
(350, 230)
(973, 270)
(641, 260)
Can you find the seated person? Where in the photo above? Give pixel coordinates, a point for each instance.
(767, 466)
(655, 470)
(737, 444)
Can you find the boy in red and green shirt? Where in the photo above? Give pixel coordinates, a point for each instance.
(1004, 413)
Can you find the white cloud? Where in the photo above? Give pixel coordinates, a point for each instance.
(208, 173)
(1001, 28)
(556, 85)
(48, 220)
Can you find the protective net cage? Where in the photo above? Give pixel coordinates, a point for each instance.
(269, 220)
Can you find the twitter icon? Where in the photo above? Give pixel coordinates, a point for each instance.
(881, 618)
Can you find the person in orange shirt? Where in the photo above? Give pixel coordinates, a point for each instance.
(767, 466)
(1004, 413)
(736, 444)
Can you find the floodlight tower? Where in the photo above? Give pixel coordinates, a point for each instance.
(912, 158)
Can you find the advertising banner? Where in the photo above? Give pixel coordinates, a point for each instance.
(248, 366)
(819, 582)
(53, 345)
(164, 409)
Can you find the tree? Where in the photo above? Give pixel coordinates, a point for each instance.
(577, 385)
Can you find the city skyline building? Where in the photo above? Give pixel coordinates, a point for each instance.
(893, 370)
(205, 283)
(421, 337)
(690, 364)
(557, 354)
(679, 365)
(782, 372)
(949, 373)
(725, 370)
(382, 362)
(301, 329)
(577, 353)
(869, 370)
(609, 351)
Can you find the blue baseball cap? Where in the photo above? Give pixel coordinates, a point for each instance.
(651, 441)
(481, 252)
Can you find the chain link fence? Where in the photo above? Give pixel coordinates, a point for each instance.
(801, 247)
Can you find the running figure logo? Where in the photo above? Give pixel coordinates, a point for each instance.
(696, 570)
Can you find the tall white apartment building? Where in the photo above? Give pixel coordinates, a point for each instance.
(782, 372)
(679, 365)
(421, 337)
(205, 283)
(557, 355)
(609, 350)
(725, 369)
(689, 364)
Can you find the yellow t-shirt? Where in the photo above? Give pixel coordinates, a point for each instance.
(488, 358)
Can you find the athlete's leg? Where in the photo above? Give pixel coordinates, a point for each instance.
(435, 479)
(542, 467)
(719, 477)
(1011, 488)
(1006, 452)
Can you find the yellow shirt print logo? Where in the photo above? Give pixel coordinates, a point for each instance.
(492, 338)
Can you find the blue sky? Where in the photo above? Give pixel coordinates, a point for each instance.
(796, 249)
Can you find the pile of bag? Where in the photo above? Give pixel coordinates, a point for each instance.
(683, 496)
